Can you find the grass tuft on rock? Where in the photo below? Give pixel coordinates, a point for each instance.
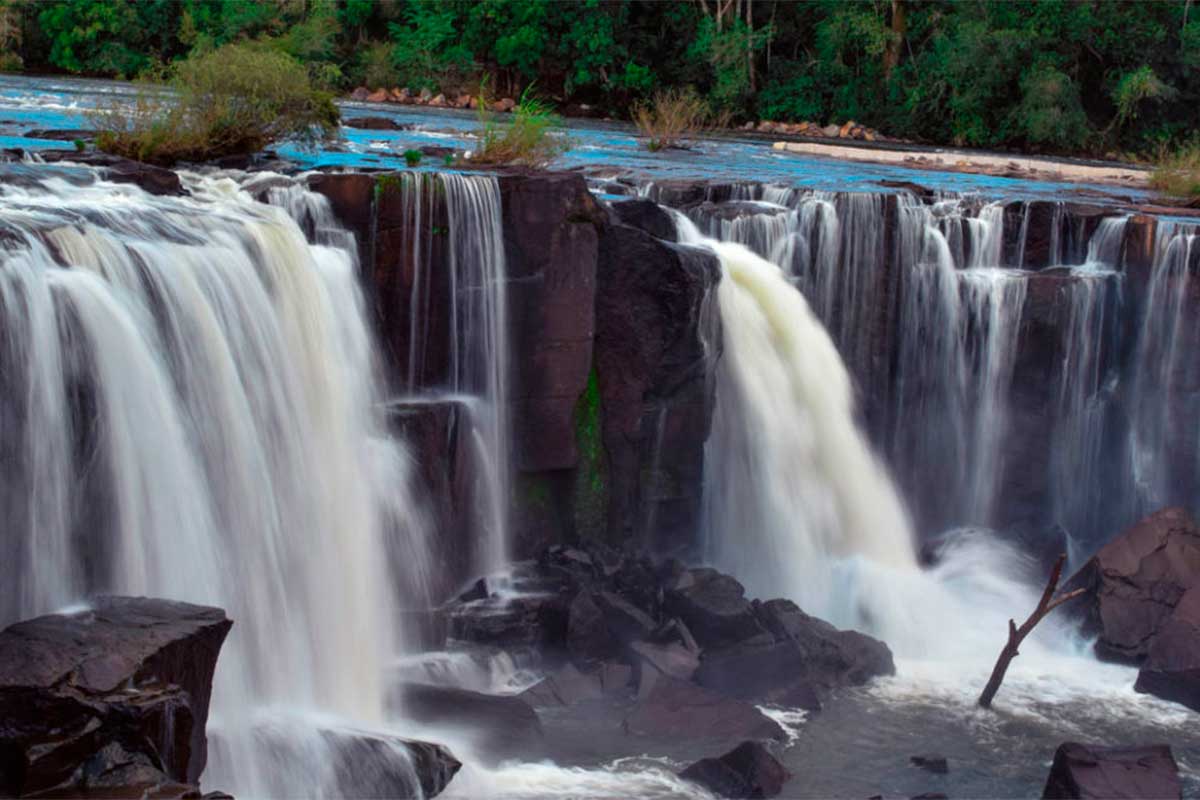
(670, 118)
(527, 140)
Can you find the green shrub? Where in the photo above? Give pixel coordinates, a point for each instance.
(526, 140)
(670, 118)
(378, 72)
(234, 100)
(413, 157)
(1178, 174)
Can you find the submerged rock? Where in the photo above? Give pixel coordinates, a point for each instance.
(932, 762)
(1172, 667)
(747, 771)
(1084, 771)
(1134, 583)
(501, 726)
(676, 708)
(111, 698)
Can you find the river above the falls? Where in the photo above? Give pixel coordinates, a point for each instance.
(31, 104)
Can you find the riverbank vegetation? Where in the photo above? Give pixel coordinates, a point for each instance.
(234, 100)
(1177, 173)
(1089, 77)
(670, 117)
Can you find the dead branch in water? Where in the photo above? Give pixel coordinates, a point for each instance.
(1016, 635)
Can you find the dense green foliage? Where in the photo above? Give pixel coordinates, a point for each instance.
(1067, 75)
(233, 100)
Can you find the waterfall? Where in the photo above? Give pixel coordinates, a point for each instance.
(786, 467)
(1164, 405)
(192, 411)
(457, 314)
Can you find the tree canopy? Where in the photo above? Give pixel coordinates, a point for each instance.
(1087, 76)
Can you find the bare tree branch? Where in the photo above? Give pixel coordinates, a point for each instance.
(1046, 604)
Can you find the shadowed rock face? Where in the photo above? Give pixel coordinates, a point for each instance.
(1084, 771)
(657, 337)
(1135, 582)
(1172, 667)
(749, 770)
(116, 695)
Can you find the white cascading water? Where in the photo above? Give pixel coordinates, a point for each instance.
(1165, 366)
(478, 347)
(193, 386)
(798, 506)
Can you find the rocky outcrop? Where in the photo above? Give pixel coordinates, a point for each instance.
(804, 657)
(688, 641)
(657, 337)
(154, 180)
(645, 215)
(1172, 667)
(375, 765)
(550, 240)
(1135, 582)
(499, 726)
(1113, 773)
(747, 771)
(111, 698)
(675, 708)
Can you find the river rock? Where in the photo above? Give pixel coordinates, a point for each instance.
(501, 726)
(115, 696)
(1135, 581)
(374, 124)
(747, 771)
(807, 656)
(675, 708)
(1085, 771)
(931, 762)
(374, 765)
(1172, 667)
(569, 685)
(151, 179)
(715, 609)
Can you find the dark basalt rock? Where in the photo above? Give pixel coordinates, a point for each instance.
(715, 609)
(645, 215)
(570, 685)
(932, 762)
(808, 655)
(375, 124)
(371, 765)
(115, 696)
(62, 134)
(747, 771)
(1084, 771)
(676, 708)
(1172, 667)
(657, 338)
(154, 180)
(501, 726)
(1135, 582)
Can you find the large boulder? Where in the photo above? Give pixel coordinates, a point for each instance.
(1172, 667)
(1135, 581)
(645, 215)
(747, 771)
(715, 609)
(374, 765)
(115, 695)
(151, 179)
(807, 656)
(1113, 773)
(675, 708)
(501, 726)
(657, 339)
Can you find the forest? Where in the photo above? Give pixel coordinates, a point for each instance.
(1086, 77)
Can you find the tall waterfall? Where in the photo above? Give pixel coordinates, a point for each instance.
(786, 466)
(466, 290)
(191, 410)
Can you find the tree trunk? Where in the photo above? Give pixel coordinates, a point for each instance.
(1016, 635)
(891, 54)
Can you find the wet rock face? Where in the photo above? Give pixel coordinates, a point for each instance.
(550, 223)
(500, 726)
(1135, 582)
(747, 771)
(1084, 771)
(114, 696)
(657, 337)
(678, 708)
(1172, 667)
